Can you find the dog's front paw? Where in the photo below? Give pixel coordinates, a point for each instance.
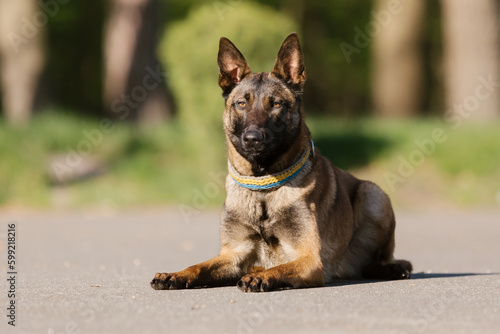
(257, 283)
(165, 281)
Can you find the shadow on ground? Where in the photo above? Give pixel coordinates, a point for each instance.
(350, 150)
(415, 276)
(447, 275)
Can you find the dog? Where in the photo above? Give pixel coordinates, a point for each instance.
(290, 219)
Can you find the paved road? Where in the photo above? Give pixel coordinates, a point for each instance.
(81, 272)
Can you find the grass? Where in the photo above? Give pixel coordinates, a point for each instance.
(418, 162)
(167, 164)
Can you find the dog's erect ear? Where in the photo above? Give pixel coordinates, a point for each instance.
(232, 65)
(289, 65)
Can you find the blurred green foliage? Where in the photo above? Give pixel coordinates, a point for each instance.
(334, 86)
(457, 171)
(189, 50)
(73, 78)
(143, 166)
(160, 164)
(175, 162)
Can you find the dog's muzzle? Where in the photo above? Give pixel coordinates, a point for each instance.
(253, 139)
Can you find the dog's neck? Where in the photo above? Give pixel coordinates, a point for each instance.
(281, 162)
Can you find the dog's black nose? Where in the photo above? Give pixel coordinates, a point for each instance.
(253, 137)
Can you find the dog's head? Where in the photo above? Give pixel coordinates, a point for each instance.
(263, 112)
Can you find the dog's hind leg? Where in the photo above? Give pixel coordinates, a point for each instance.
(384, 267)
(373, 240)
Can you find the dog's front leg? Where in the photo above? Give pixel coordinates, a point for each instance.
(225, 269)
(307, 271)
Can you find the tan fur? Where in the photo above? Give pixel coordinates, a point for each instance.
(322, 225)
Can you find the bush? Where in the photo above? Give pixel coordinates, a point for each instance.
(189, 51)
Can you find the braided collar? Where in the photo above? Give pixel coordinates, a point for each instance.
(274, 180)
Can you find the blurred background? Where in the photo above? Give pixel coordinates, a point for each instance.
(116, 103)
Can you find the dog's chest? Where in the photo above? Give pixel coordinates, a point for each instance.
(272, 231)
(273, 221)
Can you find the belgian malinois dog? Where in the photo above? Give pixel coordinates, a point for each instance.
(290, 218)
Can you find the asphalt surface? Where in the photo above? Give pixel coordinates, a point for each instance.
(89, 272)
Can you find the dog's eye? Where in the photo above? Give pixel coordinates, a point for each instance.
(242, 104)
(276, 104)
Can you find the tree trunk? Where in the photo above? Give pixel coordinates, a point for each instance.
(471, 58)
(397, 73)
(21, 57)
(134, 84)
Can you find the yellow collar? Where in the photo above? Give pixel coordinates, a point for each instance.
(274, 180)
